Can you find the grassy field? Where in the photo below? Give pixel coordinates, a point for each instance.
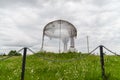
(60, 67)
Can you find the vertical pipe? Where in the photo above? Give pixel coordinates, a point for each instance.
(65, 47)
(42, 42)
(23, 63)
(88, 44)
(72, 42)
(60, 38)
(102, 61)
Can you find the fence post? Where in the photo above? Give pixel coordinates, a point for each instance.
(102, 61)
(23, 63)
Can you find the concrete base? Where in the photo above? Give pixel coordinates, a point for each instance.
(41, 50)
(72, 49)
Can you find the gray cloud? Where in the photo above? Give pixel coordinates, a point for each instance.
(22, 22)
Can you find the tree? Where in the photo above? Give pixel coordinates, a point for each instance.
(14, 53)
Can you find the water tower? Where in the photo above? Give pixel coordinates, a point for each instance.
(63, 31)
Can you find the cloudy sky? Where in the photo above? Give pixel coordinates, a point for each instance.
(22, 22)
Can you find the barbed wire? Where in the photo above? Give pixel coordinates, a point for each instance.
(56, 60)
(94, 50)
(31, 50)
(20, 50)
(111, 51)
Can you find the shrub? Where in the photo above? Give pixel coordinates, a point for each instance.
(14, 53)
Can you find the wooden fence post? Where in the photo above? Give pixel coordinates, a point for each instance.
(23, 63)
(102, 62)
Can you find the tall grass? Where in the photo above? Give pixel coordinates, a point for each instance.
(41, 66)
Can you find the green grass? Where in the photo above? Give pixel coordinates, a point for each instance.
(40, 68)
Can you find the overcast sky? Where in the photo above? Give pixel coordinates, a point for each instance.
(22, 22)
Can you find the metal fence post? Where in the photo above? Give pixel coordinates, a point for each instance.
(23, 63)
(102, 61)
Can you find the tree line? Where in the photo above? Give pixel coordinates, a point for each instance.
(11, 53)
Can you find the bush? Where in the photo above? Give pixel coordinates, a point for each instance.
(14, 53)
(4, 54)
